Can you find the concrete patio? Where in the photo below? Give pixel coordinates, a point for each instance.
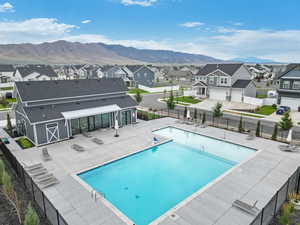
(256, 179)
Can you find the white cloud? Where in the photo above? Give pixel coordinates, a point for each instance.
(6, 7)
(86, 21)
(33, 30)
(191, 24)
(143, 3)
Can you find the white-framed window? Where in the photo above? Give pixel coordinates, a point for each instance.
(286, 84)
(296, 85)
(223, 80)
(211, 80)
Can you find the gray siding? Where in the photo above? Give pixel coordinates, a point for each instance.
(41, 131)
(250, 91)
(241, 74)
(145, 76)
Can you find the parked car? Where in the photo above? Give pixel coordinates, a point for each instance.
(282, 109)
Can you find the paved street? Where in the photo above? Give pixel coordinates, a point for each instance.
(150, 101)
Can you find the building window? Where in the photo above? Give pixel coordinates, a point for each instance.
(211, 80)
(223, 80)
(286, 84)
(296, 85)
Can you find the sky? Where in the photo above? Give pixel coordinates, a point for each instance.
(223, 29)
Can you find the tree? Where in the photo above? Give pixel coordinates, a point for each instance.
(258, 129)
(9, 125)
(170, 101)
(138, 97)
(31, 217)
(217, 110)
(241, 128)
(185, 112)
(195, 113)
(204, 118)
(286, 122)
(275, 131)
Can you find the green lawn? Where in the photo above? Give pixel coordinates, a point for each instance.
(245, 114)
(6, 88)
(265, 110)
(135, 90)
(24, 143)
(261, 96)
(11, 100)
(187, 99)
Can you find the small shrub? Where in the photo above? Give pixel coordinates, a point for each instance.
(31, 217)
(24, 143)
(274, 106)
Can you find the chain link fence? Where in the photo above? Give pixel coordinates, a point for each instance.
(46, 208)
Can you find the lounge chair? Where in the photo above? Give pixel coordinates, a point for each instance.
(34, 166)
(251, 209)
(46, 178)
(49, 183)
(45, 154)
(86, 134)
(38, 172)
(78, 148)
(42, 176)
(250, 136)
(289, 148)
(97, 141)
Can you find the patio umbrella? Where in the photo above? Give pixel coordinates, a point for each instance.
(289, 137)
(116, 128)
(188, 114)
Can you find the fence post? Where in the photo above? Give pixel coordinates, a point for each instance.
(262, 216)
(32, 188)
(298, 181)
(45, 214)
(57, 216)
(276, 199)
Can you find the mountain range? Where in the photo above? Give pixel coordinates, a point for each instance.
(64, 52)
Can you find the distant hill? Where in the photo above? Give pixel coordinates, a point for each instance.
(255, 60)
(159, 56)
(63, 52)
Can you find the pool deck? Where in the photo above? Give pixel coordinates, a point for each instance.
(259, 178)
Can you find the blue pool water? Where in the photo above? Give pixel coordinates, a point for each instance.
(145, 185)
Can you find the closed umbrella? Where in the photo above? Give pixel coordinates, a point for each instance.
(289, 137)
(116, 128)
(188, 114)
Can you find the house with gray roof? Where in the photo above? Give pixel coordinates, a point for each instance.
(231, 82)
(288, 87)
(142, 75)
(35, 72)
(7, 73)
(51, 111)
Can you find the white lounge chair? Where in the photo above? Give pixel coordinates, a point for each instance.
(45, 154)
(49, 183)
(86, 134)
(97, 141)
(38, 172)
(251, 209)
(77, 148)
(289, 148)
(34, 166)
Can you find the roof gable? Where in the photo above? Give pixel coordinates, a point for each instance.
(229, 69)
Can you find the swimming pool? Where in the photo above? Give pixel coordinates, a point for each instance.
(147, 184)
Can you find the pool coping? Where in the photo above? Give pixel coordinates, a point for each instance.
(182, 203)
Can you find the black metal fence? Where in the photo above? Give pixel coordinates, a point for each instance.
(230, 122)
(45, 206)
(274, 205)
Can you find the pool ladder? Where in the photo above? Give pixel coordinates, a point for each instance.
(95, 195)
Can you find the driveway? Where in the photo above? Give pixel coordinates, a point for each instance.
(208, 104)
(276, 118)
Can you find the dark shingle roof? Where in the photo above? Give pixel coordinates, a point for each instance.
(6, 68)
(55, 89)
(292, 70)
(241, 83)
(229, 69)
(52, 112)
(134, 68)
(41, 69)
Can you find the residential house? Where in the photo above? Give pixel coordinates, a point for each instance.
(229, 82)
(7, 73)
(142, 75)
(288, 89)
(51, 111)
(35, 72)
(118, 72)
(179, 75)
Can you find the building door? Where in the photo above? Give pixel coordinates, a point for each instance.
(84, 127)
(52, 132)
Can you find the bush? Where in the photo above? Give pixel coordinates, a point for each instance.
(31, 217)
(274, 106)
